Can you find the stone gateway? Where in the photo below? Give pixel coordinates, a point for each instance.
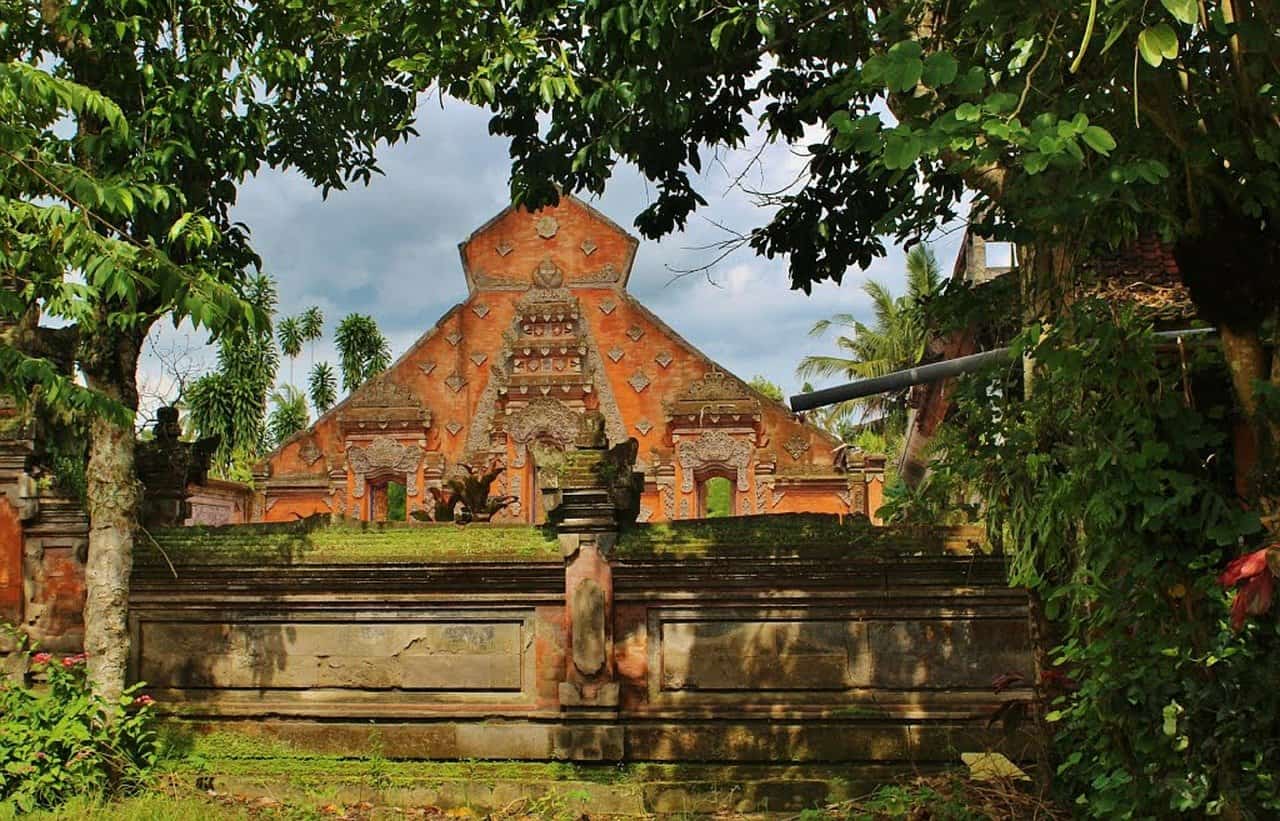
(547, 333)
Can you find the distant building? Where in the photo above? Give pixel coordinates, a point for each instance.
(547, 332)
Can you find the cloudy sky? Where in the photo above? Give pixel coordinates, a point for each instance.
(390, 250)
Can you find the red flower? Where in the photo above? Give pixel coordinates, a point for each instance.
(143, 701)
(1257, 585)
(41, 658)
(72, 661)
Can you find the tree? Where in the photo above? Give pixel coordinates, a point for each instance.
(764, 386)
(288, 416)
(362, 350)
(1078, 126)
(323, 387)
(311, 324)
(894, 341)
(231, 402)
(160, 114)
(289, 332)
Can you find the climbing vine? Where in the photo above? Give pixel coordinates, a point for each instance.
(1109, 487)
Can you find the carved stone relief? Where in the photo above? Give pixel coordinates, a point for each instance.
(480, 309)
(427, 368)
(635, 332)
(644, 426)
(455, 381)
(543, 417)
(546, 226)
(684, 507)
(607, 307)
(663, 359)
(454, 337)
(615, 354)
(503, 248)
(479, 357)
(604, 274)
(548, 275)
(453, 427)
(714, 447)
(645, 514)
(588, 247)
(667, 490)
(797, 446)
(638, 381)
(309, 453)
(384, 454)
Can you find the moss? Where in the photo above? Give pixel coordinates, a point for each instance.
(314, 541)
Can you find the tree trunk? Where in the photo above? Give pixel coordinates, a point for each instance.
(114, 494)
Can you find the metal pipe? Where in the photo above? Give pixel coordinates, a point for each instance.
(932, 372)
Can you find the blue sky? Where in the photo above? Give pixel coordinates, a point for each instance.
(390, 250)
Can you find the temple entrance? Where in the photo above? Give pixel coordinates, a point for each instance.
(716, 497)
(388, 500)
(547, 458)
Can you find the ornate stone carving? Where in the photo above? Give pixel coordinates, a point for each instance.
(479, 357)
(480, 309)
(663, 359)
(427, 368)
(605, 274)
(714, 448)
(607, 307)
(764, 487)
(614, 427)
(797, 446)
(546, 226)
(635, 332)
(544, 417)
(453, 427)
(638, 381)
(384, 454)
(381, 404)
(684, 507)
(588, 247)
(503, 248)
(645, 514)
(548, 274)
(644, 426)
(715, 399)
(309, 453)
(615, 354)
(455, 381)
(454, 337)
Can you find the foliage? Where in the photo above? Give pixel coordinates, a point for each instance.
(311, 324)
(1110, 489)
(895, 340)
(323, 387)
(362, 350)
(397, 502)
(231, 402)
(473, 492)
(719, 497)
(444, 504)
(289, 332)
(288, 416)
(62, 741)
(767, 387)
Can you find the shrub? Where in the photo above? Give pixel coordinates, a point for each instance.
(59, 740)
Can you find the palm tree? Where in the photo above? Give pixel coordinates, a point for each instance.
(894, 340)
(323, 387)
(311, 323)
(289, 414)
(289, 332)
(362, 350)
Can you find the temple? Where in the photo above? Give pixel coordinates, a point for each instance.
(548, 331)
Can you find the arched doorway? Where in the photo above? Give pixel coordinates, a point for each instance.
(716, 496)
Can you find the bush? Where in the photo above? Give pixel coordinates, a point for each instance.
(59, 740)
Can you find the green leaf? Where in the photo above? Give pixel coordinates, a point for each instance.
(939, 70)
(1184, 11)
(765, 26)
(1099, 139)
(968, 112)
(1158, 43)
(900, 151)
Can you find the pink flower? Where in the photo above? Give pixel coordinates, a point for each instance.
(72, 661)
(41, 658)
(143, 701)
(1256, 584)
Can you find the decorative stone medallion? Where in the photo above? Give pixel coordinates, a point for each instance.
(548, 274)
(663, 359)
(479, 357)
(635, 332)
(796, 446)
(638, 381)
(427, 368)
(480, 309)
(503, 248)
(309, 453)
(384, 454)
(546, 226)
(453, 427)
(455, 381)
(588, 247)
(644, 426)
(615, 354)
(454, 337)
(607, 307)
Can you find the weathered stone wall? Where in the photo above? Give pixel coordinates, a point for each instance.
(730, 654)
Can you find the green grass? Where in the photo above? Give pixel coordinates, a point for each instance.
(146, 807)
(719, 498)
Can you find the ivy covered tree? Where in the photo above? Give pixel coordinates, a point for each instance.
(362, 350)
(231, 402)
(323, 387)
(119, 216)
(288, 415)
